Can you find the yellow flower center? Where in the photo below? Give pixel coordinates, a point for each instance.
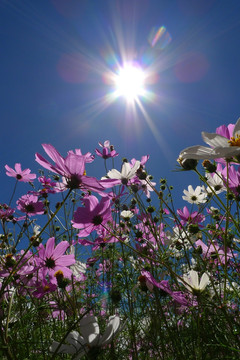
(235, 141)
(58, 274)
(46, 288)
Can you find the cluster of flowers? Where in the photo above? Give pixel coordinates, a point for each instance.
(109, 249)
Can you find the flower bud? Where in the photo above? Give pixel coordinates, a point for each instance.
(188, 164)
(210, 167)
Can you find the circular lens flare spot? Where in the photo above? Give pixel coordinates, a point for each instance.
(129, 82)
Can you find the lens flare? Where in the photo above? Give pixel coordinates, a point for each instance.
(159, 37)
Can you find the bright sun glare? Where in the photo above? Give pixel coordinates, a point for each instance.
(129, 82)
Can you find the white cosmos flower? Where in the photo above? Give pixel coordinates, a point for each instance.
(220, 146)
(127, 172)
(127, 214)
(191, 281)
(78, 268)
(215, 183)
(196, 196)
(90, 337)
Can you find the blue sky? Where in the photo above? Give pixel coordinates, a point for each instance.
(55, 55)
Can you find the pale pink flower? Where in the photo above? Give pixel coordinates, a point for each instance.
(19, 174)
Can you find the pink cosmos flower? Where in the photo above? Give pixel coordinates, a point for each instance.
(214, 252)
(30, 205)
(107, 150)
(88, 156)
(163, 285)
(72, 168)
(42, 288)
(92, 216)
(19, 174)
(226, 131)
(103, 239)
(191, 218)
(143, 160)
(49, 186)
(232, 178)
(52, 259)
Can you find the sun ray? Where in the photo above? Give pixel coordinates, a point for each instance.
(160, 140)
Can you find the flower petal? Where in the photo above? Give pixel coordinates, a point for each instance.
(60, 249)
(197, 152)
(114, 174)
(75, 339)
(193, 279)
(236, 128)
(50, 247)
(111, 329)
(214, 140)
(64, 349)
(204, 281)
(75, 164)
(90, 329)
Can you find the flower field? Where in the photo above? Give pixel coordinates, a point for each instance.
(108, 267)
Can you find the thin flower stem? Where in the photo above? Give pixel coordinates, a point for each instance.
(225, 238)
(14, 190)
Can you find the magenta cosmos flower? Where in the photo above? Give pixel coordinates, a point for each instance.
(72, 168)
(30, 205)
(107, 150)
(191, 218)
(19, 174)
(232, 179)
(52, 259)
(92, 216)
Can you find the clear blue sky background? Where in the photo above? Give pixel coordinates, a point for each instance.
(46, 99)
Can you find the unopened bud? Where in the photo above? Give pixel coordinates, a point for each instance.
(210, 167)
(188, 164)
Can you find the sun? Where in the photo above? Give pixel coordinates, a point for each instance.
(129, 82)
